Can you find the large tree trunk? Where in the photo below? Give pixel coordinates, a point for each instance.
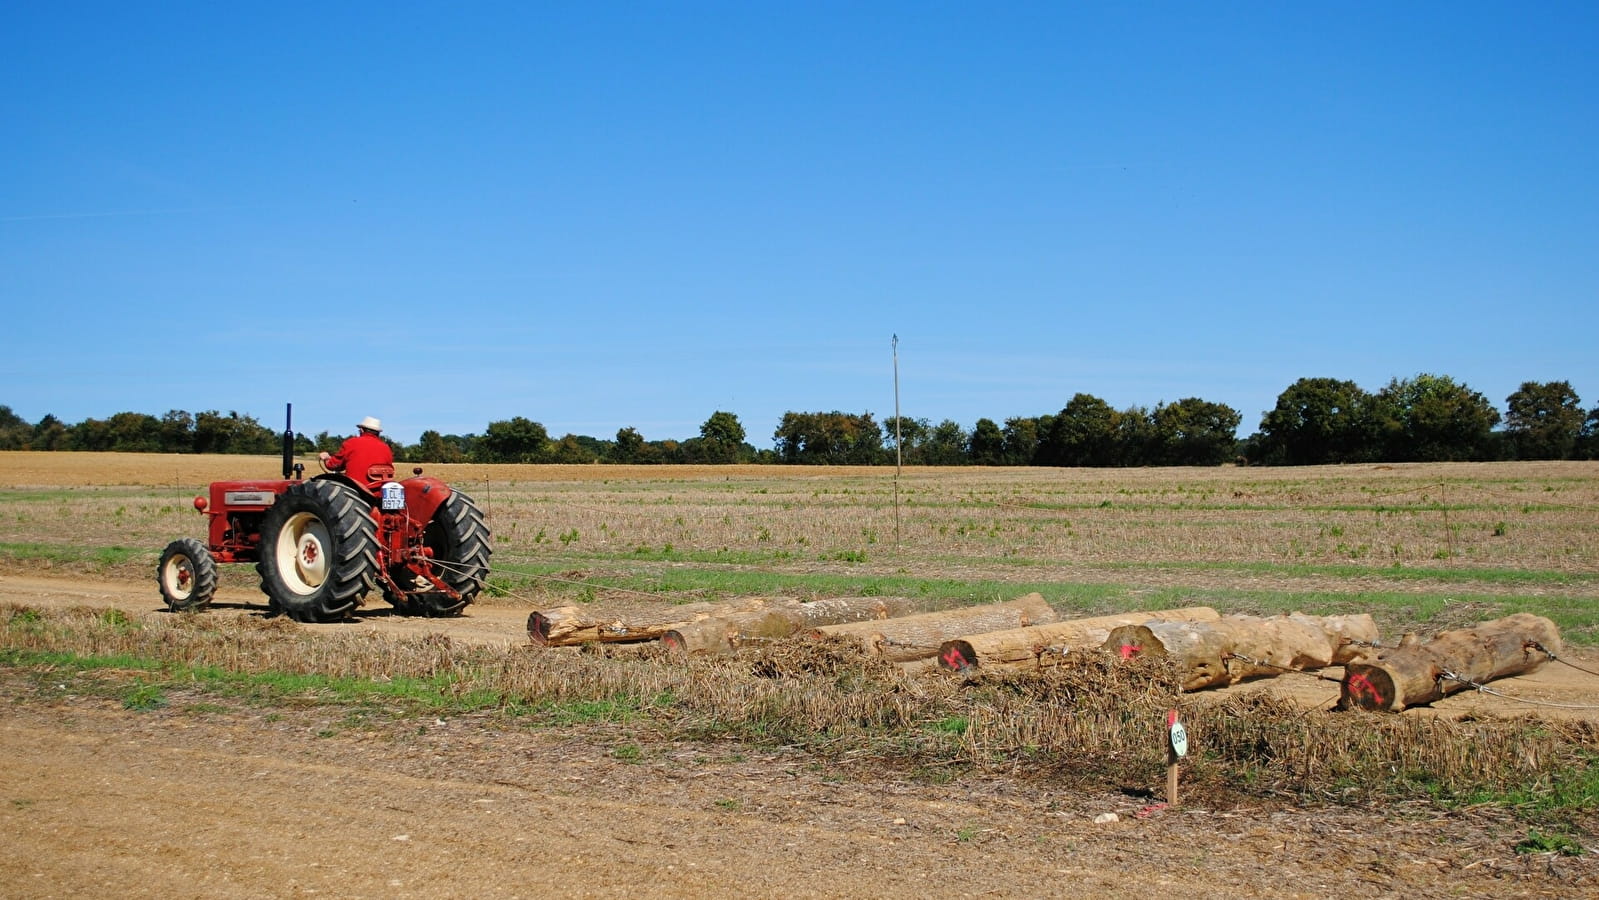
(1233, 648)
(565, 626)
(1042, 646)
(1423, 672)
(918, 637)
(723, 634)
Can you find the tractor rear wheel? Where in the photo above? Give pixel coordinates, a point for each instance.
(318, 550)
(187, 575)
(459, 544)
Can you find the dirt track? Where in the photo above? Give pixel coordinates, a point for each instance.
(232, 801)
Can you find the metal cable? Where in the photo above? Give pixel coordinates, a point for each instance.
(1545, 650)
(1484, 689)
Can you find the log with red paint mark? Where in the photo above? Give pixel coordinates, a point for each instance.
(1420, 672)
(1232, 648)
(1042, 646)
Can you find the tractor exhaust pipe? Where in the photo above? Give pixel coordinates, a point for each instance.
(288, 440)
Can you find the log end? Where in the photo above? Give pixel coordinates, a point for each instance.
(1369, 687)
(673, 643)
(957, 656)
(1132, 641)
(538, 629)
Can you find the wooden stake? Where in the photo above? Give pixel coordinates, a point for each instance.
(1176, 749)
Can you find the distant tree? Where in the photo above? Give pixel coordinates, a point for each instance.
(1588, 442)
(1195, 432)
(1081, 434)
(599, 449)
(722, 438)
(50, 434)
(232, 433)
(1021, 440)
(1319, 420)
(518, 440)
(15, 432)
(912, 435)
(433, 447)
(987, 444)
(570, 449)
(1136, 440)
(629, 444)
(831, 438)
(1431, 418)
(948, 445)
(90, 434)
(665, 452)
(177, 432)
(133, 432)
(1544, 420)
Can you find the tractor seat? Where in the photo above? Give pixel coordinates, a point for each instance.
(377, 474)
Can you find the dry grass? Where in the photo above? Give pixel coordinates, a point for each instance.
(1097, 720)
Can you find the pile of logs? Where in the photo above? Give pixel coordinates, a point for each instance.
(1210, 650)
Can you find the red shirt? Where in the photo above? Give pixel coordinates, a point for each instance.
(360, 453)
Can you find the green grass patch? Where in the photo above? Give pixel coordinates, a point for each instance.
(1539, 842)
(144, 696)
(72, 554)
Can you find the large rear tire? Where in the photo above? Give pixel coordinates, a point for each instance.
(318, 550)
(459, 543)
(187, 575)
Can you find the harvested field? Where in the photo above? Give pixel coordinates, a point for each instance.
(796, 783)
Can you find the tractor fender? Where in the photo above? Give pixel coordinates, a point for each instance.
(423, 496)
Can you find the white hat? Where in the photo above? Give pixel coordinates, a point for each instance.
(370, 424)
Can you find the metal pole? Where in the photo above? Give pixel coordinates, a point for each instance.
(899, 443)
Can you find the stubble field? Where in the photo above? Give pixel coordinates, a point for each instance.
(1404, 542)
(683, 782)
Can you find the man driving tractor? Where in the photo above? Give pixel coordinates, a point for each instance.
(360, 455)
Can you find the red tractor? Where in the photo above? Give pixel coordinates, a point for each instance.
(321, 544)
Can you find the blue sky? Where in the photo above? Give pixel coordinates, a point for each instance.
(600, 215)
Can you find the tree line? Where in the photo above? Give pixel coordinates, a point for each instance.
(1315, 421)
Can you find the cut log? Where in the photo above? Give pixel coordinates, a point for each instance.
(1422, 672)
(916, 637)
(723, 634)
(565, 626)
(1046, 645)
(1233, 648)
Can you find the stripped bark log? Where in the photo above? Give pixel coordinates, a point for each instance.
(917, 637)
(1233, 648)
(723, 634)
(1047, 645)
(565, 626)
(1453, 661)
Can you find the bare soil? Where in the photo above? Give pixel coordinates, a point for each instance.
(201, 798)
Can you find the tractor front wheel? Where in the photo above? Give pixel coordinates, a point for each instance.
(318, 550)
(187, 575)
